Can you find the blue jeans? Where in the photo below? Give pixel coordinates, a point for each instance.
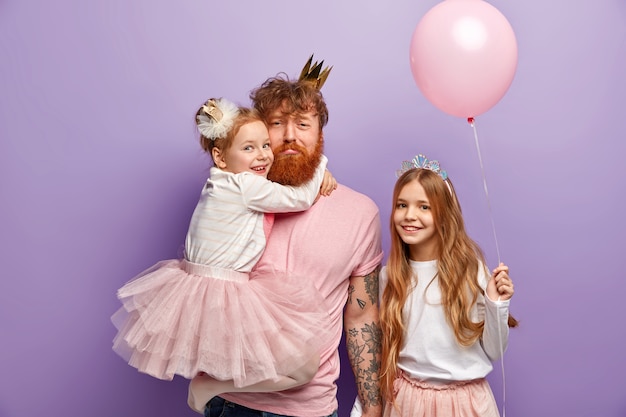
(219, 407)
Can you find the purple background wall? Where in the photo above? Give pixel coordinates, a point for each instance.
(100, 171)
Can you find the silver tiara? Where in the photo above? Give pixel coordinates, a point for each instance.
(420, 161)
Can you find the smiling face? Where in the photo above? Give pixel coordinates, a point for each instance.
(414, 222)
(249, 151)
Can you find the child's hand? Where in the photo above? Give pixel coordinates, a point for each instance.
(329, 183)
(500, 286)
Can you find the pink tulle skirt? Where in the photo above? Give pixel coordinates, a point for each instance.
(180, 318)
(459, 399)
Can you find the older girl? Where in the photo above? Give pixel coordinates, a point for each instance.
(443, 315)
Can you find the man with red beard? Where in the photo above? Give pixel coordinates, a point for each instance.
(336, 244)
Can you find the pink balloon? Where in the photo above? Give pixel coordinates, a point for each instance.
(463, 56)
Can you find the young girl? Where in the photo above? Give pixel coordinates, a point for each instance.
(205, 313)
(443, 317)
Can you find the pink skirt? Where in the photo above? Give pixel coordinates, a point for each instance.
(180, 318)
(416, 398)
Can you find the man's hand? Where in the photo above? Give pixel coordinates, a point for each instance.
(197, 404)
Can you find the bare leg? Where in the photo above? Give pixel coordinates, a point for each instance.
(203, 387)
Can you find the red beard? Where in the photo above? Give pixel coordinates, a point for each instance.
(295, 169)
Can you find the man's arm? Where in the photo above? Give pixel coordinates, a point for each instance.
(363, 338)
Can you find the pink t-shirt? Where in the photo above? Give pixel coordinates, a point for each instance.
(337, 238)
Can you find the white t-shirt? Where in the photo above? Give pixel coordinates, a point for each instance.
(431, 351)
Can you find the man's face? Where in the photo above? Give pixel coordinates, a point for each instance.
(297, 143)
(303, 129)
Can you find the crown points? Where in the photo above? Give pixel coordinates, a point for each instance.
(312, 72)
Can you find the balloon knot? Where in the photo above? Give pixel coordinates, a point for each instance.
(470, 120)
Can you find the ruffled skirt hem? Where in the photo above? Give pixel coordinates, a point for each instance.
(173, 322)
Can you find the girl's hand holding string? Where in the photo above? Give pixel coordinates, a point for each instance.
(500, 286)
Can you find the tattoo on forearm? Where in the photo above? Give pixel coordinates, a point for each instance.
(364, 353)
(350, 292)
(371, 289)
(371, 285)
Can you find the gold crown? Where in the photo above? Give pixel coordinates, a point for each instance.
(313, 73)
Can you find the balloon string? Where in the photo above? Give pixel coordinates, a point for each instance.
(495, 237)
(482, 169)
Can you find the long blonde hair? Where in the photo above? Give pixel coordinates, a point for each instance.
(459, 259)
